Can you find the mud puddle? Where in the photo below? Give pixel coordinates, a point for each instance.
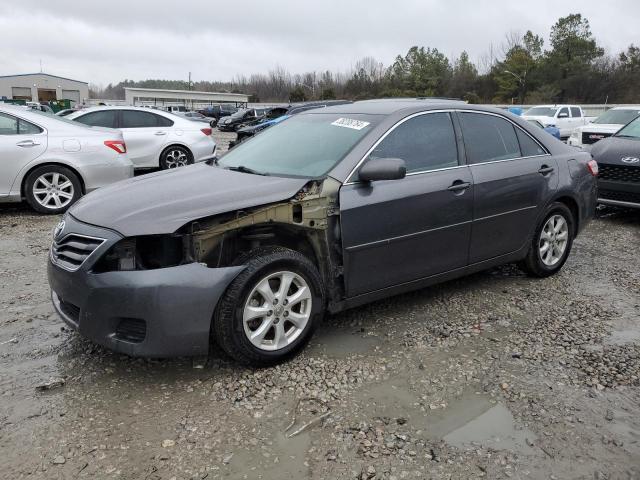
(339, 342)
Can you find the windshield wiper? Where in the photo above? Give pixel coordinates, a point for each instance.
(626, 136)
(243, 169)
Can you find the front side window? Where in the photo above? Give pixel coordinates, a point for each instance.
(425, 142)
(564, 112)
(137, 119)
(488, 138)
(8, 125)
(101, 118)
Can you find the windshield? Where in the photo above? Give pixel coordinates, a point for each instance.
(303, 146)
(632, 130)
(620, 117)
(541, 111)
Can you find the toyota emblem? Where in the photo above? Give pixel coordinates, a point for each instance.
(630, 159)
(58, 230)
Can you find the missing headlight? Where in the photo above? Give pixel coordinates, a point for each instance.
(144, 253)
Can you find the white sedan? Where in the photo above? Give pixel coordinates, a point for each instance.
(154, 138)
(51, 162)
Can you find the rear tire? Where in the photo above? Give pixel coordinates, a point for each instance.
(52, 189)
(551, 242)
(270, 310)
(175, 156)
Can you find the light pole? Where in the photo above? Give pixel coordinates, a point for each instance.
(312, 88)
(521, 80)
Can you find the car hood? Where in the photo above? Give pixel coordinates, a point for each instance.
(613, 149)
(600, 128)
(162, 202)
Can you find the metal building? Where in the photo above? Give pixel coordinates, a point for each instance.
(190, 98)
(42, 87)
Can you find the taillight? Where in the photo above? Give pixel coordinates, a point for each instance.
(206, 131)
(592, 165)
(117, 145)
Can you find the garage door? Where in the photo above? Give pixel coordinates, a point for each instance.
(71, 95)
(21, 93)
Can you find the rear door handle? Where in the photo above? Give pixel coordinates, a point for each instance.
(160, 133)
(458, 186)
(545, 169)
(27, 144)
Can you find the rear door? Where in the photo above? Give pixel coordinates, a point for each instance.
(397, 231)
(145, 134)
(20, 143)
(513, 178)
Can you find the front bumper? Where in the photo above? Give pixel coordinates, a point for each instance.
(164, 312)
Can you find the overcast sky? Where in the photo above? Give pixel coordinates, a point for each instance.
(101, 42)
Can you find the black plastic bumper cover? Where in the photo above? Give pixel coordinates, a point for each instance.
(177, 304)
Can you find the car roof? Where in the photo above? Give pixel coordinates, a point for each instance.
(388, 106)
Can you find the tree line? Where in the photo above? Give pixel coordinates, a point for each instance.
(572, 67)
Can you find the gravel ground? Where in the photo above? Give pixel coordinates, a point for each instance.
(496, 375)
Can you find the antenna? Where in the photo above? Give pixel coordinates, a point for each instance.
(40, 65)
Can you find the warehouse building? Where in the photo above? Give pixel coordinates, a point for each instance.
(42, 87)
(188, 98)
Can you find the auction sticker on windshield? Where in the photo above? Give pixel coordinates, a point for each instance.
(350, 123)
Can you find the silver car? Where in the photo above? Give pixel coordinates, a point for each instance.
(51, 162)
(154, 138)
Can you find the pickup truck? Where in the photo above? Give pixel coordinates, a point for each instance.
(564, 117)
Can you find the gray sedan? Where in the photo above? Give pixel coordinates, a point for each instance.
(51, 162)
(325, 211)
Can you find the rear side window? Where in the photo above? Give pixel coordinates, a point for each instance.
(8, 125)
(136, 119)
(488, 138)
(575, 112)
(164, 121)
(26, 128)
(528, 146)
(425, 142)
(101, 118)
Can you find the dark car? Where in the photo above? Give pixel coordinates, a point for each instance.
(328, 210)
(240, 118)
(219, 111)
(618, 160)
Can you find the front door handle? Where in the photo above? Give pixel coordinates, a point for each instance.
(545, 170)
(27, 144)
(160, 133)
(458, 186)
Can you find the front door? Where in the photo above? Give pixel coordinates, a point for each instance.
(397, 231)
(513, 178)
(20, 143)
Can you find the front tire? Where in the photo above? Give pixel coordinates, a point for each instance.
(271, 309)
(551, 243)
(52, 189)
(175, 156)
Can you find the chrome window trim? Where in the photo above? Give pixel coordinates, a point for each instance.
(547, 154)
(53, 260)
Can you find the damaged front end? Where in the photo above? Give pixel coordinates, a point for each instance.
(309, 223)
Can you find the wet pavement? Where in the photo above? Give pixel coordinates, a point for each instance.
(496, 375)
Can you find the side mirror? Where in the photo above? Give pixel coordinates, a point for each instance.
(563, 115)
(382, 169)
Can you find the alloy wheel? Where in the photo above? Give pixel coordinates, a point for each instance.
(553, 240)
(53, 190)
(277, 310)
(176, 158)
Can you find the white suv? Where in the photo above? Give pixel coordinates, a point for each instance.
(604, 126)
(154, 138)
